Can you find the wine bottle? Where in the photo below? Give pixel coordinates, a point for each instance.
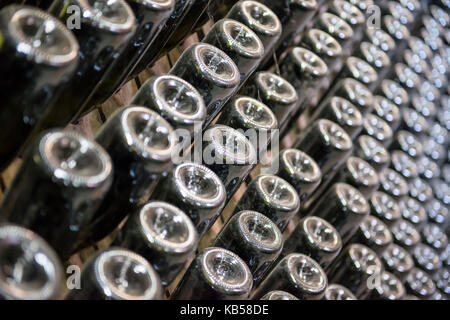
(30, 267)
(315, 238)
(275, 92)
(397, 261)
(211, 72)
(117, 274)
(62, 181)
(197, 190)
(372, 151)
(354, 267)
(150, 16)
(140, 143)
(215, 274)
(254, 238)
(344, 207)
(296, 274)
(162, 234)
(174, 99)
(38, 53)
(104, 29)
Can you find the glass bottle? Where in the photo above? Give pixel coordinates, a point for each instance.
(62, 181)
(105, 28)
(150, 15)
(140, 143)
(254, 238)
(215, 274)
(117, 274)
(31, 269)
(162, 234)
(174, 99)
(197, 190)
(272, 196)
(315, 238)
(211, 72)
(296, 274)
(38, 53)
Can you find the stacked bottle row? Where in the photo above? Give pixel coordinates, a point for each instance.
(324, 179)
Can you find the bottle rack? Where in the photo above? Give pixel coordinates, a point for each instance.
(90, 124)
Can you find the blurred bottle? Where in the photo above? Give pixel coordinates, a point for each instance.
(405, 235)
(397, 261)
(426, 258)
(408, 143)
(387, 110)
(392, 183)
(31, 269)
(324, 45)
(372, 151)
(38, 53)
(61, 183)
(338, 292)
(420, 284)
(388, 287)
(355, 268)
(328, 144)
(377, 128)
(117, 274)
(260, 19)
(250, 115)
(105, 27)
(359, 174)
(352, 15)
(304, 70)
(413, 211)
(374, 234)
(315, 238)
(275, 92)
(342, 112)
(151, 16)
(300, 170)
(140, 143)
(353, 91)
(420, 190)
(435, 237)
(152, 53)
(344, 207)
(294, 17)
(338, 29)
(376, 58)
(229, 154)
(384, 207)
